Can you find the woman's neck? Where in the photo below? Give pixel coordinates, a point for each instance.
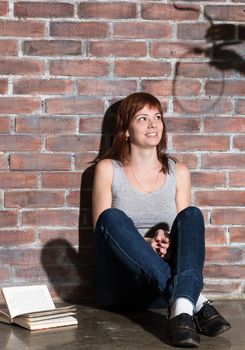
(145, 157)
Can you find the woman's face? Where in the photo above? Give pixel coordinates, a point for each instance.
(146, 127)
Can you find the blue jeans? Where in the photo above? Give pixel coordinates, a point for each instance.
(128, 272)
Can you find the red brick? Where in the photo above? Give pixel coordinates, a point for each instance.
(182, 125)
(5, 273)
(239, 142)
(107, 10)
(118, 48)
(34, 199)
(3, 86)
(18, 180)
(191, 160)
(139, 30)
(132, 68)
(223, 161)
(16, 105)
(229, 216)
(21, 28)
(37, 275)
(102, 87)
(71, 236)
(8, 48)
(203, 70)
(169, 12)
(3, 162)
(226, 12)
(73, 143)
(237, 234)
(91, 124)
(5, 124)
(202, 106)
(220, 198)
(240, 107)
(176, 49)
(73, 199)
(200, 143)
(223, 254)
(83, 160)
(50, 217)
(43, 161)
(228, 88)
(69, 180)
(43, 86)
(208, 179)
(222, 288)
(12, 66)
(79, 30)
(187, 87)
(52, 47)
(192, 30)
(224, 271)
(224, 124)
(75, 106)
(45, 125)
(27, 256)
(46, 9)
(8, 218)
(214, 235)
(19, 143)
(83, 67)
(3, 8)
(16, 237)
(237, 179)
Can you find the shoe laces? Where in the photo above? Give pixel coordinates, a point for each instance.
(208, 309)
(187, 321)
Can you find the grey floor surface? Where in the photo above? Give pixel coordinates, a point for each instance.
(104, 330)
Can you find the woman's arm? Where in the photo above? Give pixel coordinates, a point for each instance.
(183, 187)
(101, 194)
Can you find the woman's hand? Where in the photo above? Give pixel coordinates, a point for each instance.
(161, 242)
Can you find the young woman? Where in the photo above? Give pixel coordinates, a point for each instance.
(149, 240)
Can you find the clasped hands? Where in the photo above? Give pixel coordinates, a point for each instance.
(161, 243)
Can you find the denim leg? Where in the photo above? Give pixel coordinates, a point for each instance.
(125, 264)
(187, 237)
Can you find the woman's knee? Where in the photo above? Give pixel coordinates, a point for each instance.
(111, 215)
(191, 211)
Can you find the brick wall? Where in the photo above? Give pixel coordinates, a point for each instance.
(62, 64)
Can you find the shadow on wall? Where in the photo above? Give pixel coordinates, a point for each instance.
(221, 54)
(70, 270)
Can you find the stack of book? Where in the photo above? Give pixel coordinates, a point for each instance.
(32, 307)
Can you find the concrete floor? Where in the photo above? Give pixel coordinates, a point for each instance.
(103, 330)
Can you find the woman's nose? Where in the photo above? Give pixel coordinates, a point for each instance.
(152, 124)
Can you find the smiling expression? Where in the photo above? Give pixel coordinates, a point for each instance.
(146, 127)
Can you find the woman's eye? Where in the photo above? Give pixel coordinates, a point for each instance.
(142, 118)
(158, 117)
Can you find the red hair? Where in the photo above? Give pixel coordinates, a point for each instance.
(129, 106)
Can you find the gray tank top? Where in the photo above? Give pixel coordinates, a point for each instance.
(148, 211)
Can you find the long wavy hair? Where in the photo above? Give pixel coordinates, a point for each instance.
(128, 107)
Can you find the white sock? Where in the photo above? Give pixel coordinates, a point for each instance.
(180, 306)
(201, 300)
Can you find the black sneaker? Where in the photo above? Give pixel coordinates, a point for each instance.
(183, 332)
(209, 322)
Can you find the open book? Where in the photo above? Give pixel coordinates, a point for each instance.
(32, 307)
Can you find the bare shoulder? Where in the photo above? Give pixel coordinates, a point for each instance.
(182, 170)
(183, 174)
(104, 168)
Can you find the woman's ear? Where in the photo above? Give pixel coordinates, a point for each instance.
(127, 134)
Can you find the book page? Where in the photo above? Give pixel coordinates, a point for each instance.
(26, 299)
